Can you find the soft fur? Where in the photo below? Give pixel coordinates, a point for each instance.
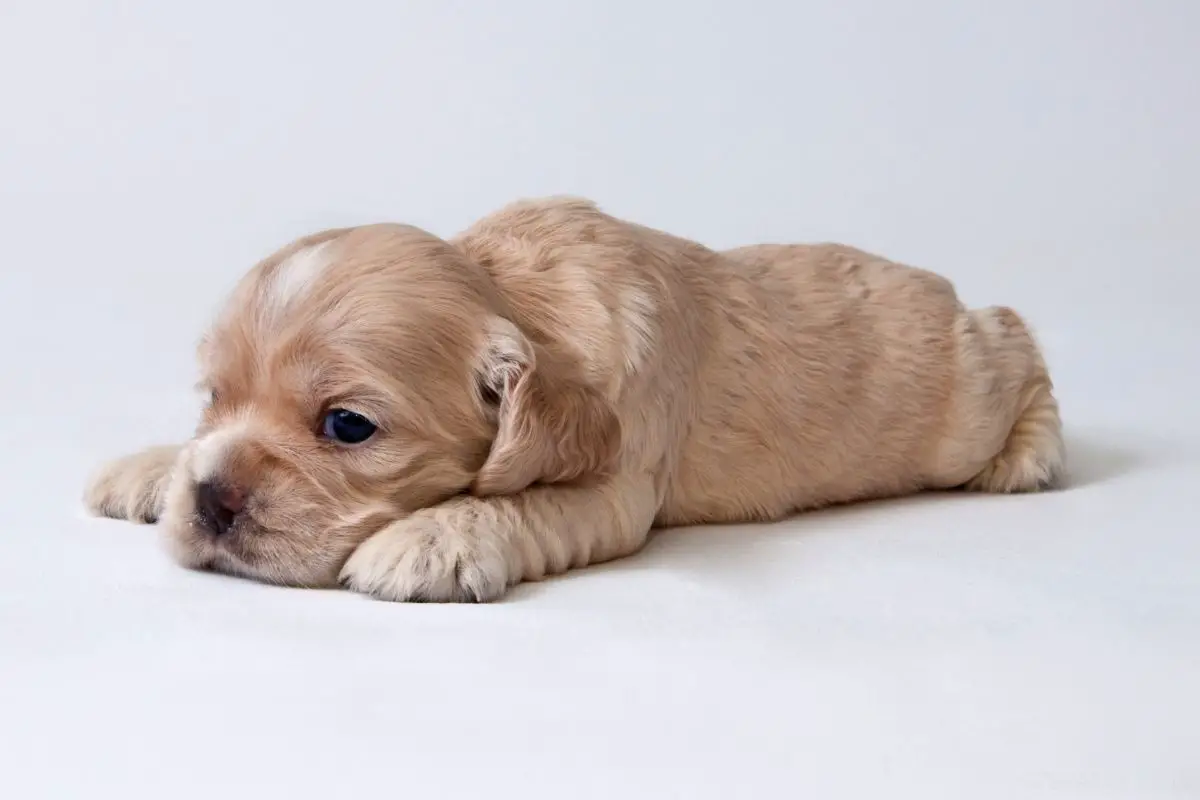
(555, 382)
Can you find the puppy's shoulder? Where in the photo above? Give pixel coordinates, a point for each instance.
(546, 219)
(563, 253)
(577, 276)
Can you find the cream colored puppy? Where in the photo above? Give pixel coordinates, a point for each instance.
(421, 419)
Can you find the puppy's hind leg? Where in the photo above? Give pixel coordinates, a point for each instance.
(1033, 456)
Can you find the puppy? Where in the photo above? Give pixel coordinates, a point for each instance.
(420, 419)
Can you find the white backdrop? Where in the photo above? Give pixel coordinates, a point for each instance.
(1042, 154)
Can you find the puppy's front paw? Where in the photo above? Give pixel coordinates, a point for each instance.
(132, 487)
(438, 555)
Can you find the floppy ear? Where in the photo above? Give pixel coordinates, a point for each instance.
(551, 426)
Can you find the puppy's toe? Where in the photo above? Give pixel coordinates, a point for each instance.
(427, 559)
(131, 488)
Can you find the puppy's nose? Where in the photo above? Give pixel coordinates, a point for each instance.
(219, 504)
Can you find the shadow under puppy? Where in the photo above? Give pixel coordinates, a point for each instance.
(421, 419)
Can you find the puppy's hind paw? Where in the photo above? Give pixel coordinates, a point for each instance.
(132, 487)
(1034, 456)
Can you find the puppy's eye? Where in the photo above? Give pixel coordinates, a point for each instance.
(347, 427)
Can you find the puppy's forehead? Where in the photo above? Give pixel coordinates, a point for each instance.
(338, 264)
(389, 293)
(295, 275)
(350, 274)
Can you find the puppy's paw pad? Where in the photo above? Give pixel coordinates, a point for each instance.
(424, 559)
(131, 487)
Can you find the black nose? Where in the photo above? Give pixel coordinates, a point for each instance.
(218, 505)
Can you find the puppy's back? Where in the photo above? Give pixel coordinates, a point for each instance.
(832, 371)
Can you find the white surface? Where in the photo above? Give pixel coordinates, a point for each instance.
(1042, 154)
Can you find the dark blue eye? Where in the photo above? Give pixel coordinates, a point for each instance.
(347, 427)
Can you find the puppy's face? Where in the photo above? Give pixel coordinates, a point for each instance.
(344, 384)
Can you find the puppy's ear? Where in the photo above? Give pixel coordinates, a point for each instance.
(551, 426)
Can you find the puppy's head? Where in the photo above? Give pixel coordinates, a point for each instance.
(353, 377)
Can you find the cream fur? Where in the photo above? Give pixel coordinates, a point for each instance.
(295, 275)
(554, 382)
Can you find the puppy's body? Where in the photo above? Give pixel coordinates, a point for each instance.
(772, 378)
(554, 382)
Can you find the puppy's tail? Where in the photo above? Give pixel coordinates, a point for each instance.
(1033, 457)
